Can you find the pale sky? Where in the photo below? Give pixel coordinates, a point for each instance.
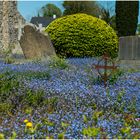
(30, 8)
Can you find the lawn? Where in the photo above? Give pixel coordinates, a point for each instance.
(66, 99)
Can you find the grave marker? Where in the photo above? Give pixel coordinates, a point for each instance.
(104, 60)
(129, 48)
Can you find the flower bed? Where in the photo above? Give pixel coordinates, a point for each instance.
(66, 100)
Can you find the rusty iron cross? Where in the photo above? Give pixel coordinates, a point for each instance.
(105, 67)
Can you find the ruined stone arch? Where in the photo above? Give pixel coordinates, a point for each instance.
(9, 19)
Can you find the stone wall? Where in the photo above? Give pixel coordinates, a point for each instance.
(1, 19)
(9, 17)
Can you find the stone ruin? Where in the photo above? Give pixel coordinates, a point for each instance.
(9, 19)
(12, 26)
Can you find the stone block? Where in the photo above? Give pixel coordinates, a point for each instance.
(35, 44)
(129, 48)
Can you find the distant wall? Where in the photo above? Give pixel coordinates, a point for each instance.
(129, 48)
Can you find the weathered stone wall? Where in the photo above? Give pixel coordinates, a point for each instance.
(1, 18)
(5, 28)
(9, 17)
(13, 32)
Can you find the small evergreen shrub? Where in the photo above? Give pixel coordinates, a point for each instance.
(114, 76)
(56, 62)
(112, 79)
(35, 75)
(33, 98)
(8, 85)
(8, 54)
(5, 107)
(81, 35)
(9, 60)
(13, 93)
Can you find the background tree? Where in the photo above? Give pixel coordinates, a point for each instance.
(138, 29)
(107, 13)
(88, 7)
(49, 10)
(126, 17)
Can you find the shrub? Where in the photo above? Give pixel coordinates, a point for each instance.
(8, 85)
(81, 35)
(35, 75)
(114, 76)
(56, 62)
(33, 98)
(5, 108)
(9, 60)
(112, 79)
(8, 54)
(13, 93)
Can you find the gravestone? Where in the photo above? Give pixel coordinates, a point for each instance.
(35, 44)
(129, 49)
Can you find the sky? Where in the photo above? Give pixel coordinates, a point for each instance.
(29, 9)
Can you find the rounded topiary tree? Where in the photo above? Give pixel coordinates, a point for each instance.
(81, 35)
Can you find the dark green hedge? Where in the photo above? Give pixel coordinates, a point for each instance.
(126, 17)
(81, 35)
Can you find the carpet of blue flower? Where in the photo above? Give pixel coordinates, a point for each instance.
(65, 99)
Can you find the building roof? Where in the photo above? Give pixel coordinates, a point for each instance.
(41, 20)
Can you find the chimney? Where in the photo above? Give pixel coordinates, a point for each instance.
(54, 16)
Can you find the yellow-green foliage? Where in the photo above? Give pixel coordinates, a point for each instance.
(82, 35)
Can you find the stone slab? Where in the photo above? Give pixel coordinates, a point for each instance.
(129, 48)
(36, 44)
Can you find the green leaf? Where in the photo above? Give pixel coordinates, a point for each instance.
(1, 136)
(13, 135)
(126, 130)
(85, 119)
(64, 124)
(61, 135)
